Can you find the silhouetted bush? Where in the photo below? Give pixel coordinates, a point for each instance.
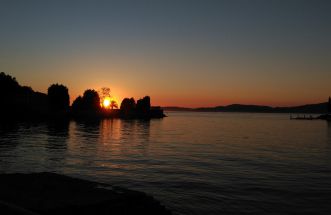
(58, 97)
(26, 90)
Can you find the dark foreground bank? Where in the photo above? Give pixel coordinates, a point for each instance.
(50, 193)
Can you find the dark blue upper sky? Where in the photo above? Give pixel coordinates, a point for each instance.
(185, 53)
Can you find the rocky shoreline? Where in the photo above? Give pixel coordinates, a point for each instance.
(50, 193)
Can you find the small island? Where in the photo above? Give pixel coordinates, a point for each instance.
(22, 102)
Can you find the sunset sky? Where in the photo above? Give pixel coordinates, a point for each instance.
(182, 52)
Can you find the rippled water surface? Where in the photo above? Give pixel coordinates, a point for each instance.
(194, 163)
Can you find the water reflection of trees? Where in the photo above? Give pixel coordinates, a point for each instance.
(143, 130)
(103, 144)
(7, 132)
(136, 135)
(56, 146)
(84, 134)
(123, 136)
(57, 135)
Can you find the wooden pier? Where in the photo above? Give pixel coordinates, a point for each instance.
(304, 117)
(326, 117)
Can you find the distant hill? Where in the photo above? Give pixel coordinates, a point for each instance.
(309, 108)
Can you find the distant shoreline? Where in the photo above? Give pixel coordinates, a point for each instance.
(319, 108)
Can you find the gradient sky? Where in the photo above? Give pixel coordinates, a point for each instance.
(181, 53)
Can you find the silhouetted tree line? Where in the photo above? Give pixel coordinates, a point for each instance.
(19, 99)
(22, 101)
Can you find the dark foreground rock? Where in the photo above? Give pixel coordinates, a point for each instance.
(50, 193)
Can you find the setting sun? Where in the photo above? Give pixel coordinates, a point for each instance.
(106, 102)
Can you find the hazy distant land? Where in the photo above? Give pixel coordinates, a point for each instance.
(308, 108)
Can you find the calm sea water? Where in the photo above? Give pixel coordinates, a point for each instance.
(194, 163)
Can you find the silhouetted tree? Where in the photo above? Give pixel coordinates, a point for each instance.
(329, 105)
(58, 97)
(144, 105)
(104, 93)
(91, 100)
(113, 104)
(128, 105)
